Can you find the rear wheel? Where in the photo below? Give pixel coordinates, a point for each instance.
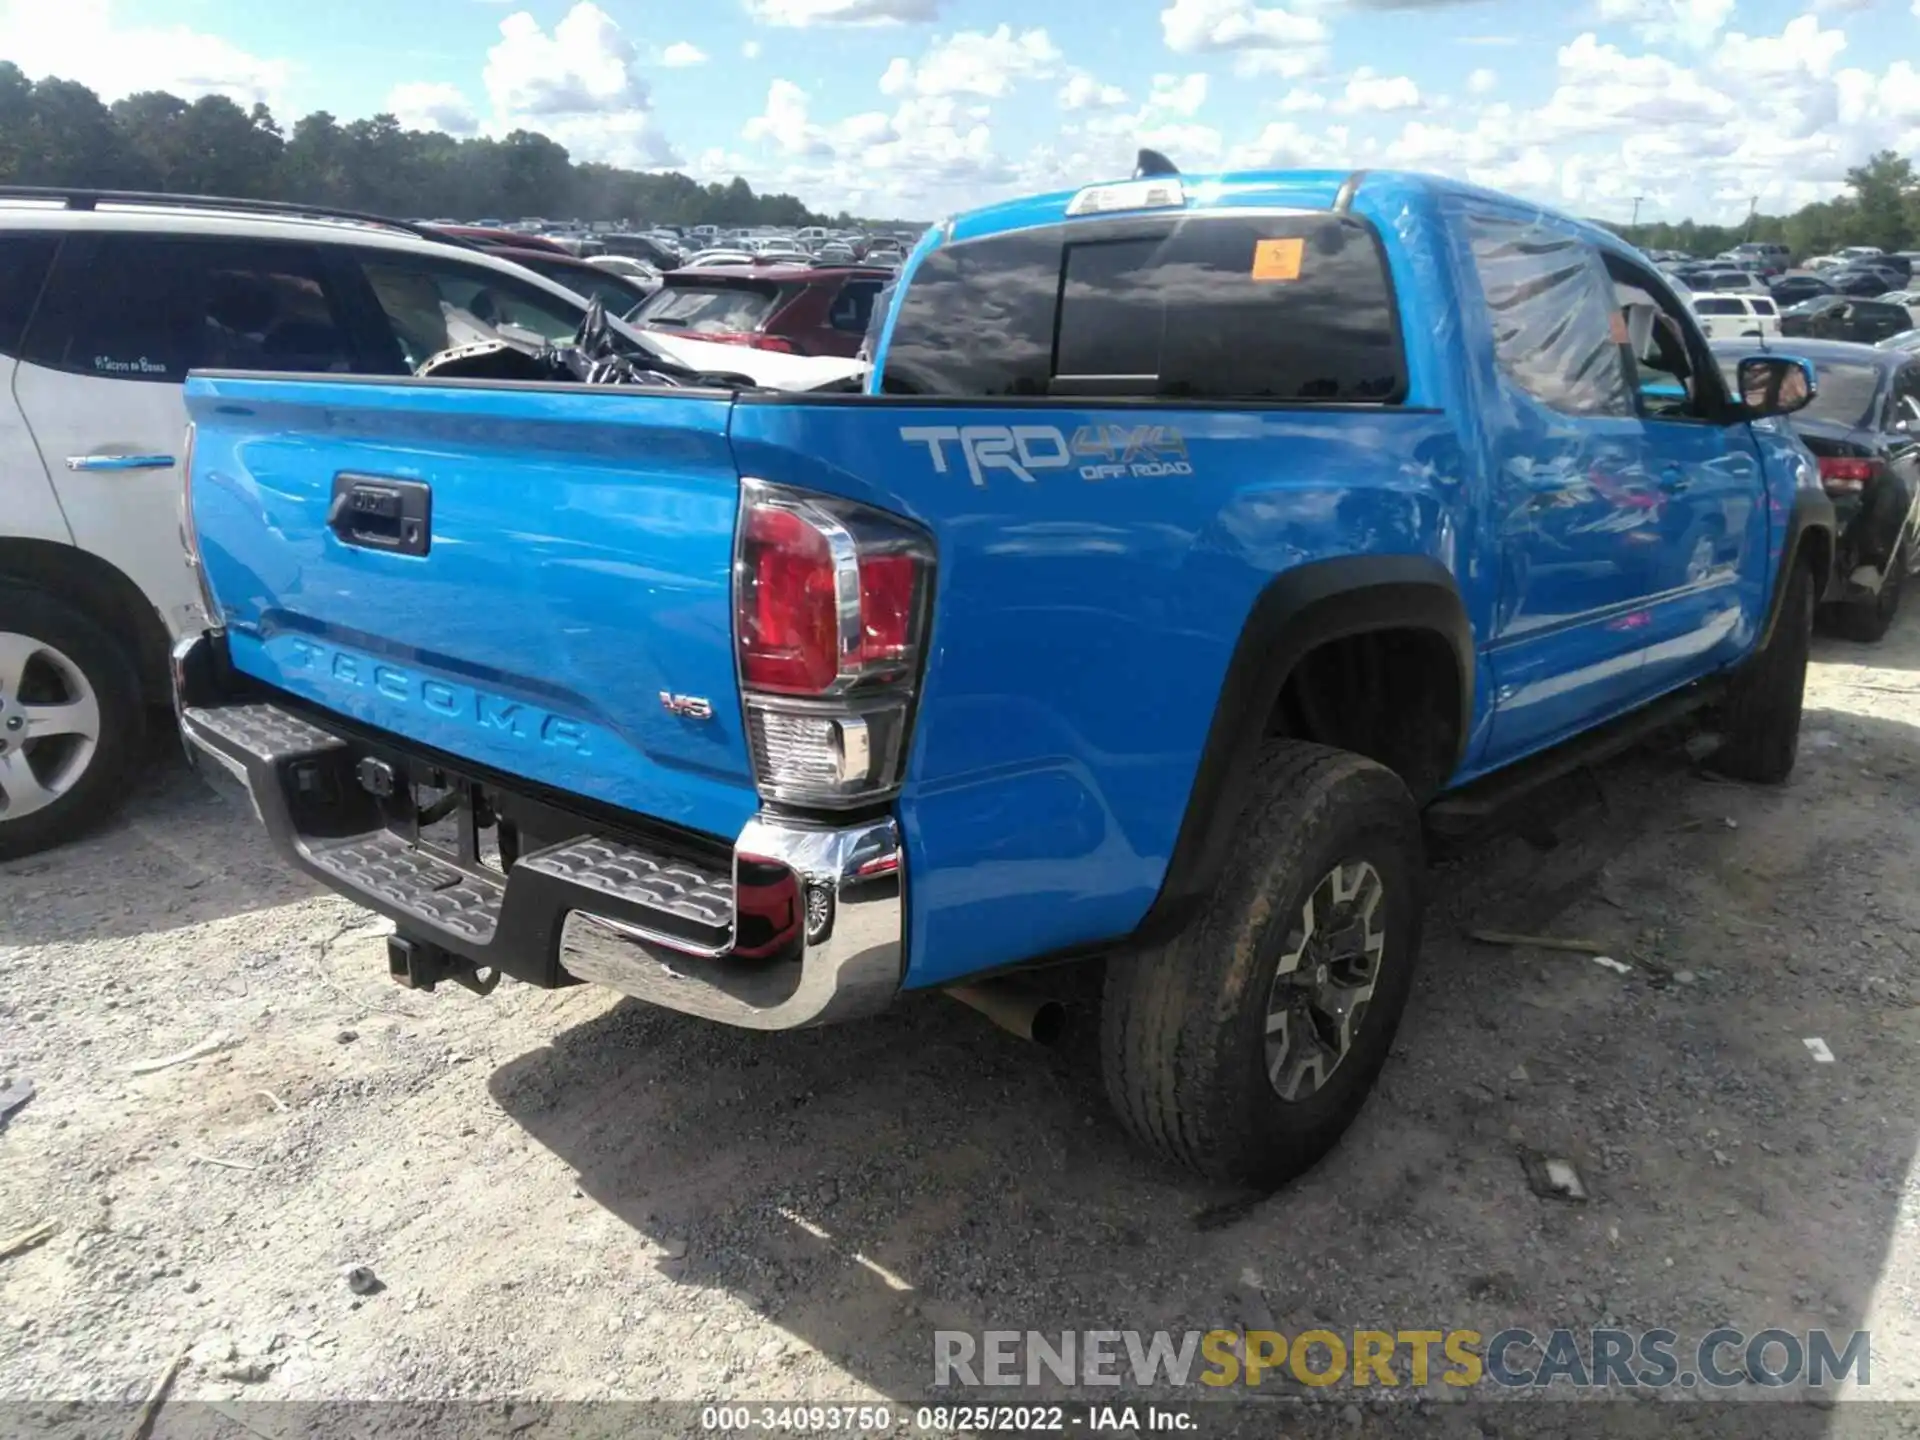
(70, 721)
(1869, 620)
(1245, 1046)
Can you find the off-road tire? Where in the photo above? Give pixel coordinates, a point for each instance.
(1867, 621)
(97, 789)
(1760, 720)
(1184, 1025)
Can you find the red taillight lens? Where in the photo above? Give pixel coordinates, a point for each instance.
(773, 342)
(887, 586)
(830, 610)
(788, 614)
(1846, 475)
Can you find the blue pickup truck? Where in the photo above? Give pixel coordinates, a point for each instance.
(1195, 547)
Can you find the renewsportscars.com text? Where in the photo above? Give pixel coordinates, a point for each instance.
(1601, 1357)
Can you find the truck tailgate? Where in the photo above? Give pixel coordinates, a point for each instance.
(517, 576)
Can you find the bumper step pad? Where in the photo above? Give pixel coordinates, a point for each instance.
(264, 732)
(700, 900)
(388, 868)
(683, 902)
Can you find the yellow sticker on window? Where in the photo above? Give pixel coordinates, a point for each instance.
(1278, 259)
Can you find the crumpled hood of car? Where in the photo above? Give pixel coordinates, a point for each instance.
(765, 367)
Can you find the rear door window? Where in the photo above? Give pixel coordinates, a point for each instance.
(709, 309)
(1219, 308)
(1719, 307)
(150, 307)
(1556, 329)
(24, 261)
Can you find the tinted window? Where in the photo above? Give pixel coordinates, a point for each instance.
(142, 307)
(977, 319)
(1763, 307)
(709, 309)
(1719, 307)
(23, 270)
(434, 304)
(1218, 308)
(1553, 315)
(852, 308)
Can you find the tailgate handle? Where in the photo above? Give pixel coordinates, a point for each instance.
(378, 514)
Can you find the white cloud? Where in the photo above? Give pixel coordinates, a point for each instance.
(1802, 46)
(842, 12)
(681, 54)
(1264, 40)
(926, 153)
(1482, 82)
(1299, 101)
(974, 62)
(1178, 94)
(79, 40)
(579, 85)
(427, 105)
(1660, 22)
(1383, 93)
(1083, 92)
(750, 49)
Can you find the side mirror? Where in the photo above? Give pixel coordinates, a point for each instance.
(1776, 385)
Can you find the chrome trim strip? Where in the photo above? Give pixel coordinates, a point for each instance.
(852, 951)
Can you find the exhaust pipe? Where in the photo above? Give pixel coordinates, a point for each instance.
(1015, 1009)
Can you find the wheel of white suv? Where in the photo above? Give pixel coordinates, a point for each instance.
(71, 722)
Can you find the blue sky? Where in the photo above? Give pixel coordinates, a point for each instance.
(918, 107)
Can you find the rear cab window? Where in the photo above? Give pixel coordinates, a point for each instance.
(1201, 308)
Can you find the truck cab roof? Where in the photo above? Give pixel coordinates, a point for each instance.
(1373, 194)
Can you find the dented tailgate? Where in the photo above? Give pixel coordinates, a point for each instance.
(532, 578)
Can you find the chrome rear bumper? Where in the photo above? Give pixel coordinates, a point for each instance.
(851, 955)
(805, 925)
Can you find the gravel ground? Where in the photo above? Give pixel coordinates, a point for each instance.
(569, 1196)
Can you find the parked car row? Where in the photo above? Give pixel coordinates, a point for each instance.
(1863, 426)
(106, 302)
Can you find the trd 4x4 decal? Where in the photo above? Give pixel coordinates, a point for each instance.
(1098, 452)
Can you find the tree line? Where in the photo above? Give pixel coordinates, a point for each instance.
(1880, 207)
(59, 132)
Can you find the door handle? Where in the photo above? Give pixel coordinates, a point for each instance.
(120, 462)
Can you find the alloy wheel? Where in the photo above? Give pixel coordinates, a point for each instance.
(49, 724)
(1325, 979)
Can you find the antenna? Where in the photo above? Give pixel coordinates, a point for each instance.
(1152, 162)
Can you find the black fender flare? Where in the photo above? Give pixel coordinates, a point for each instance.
(1812, 516)
(1299, 610)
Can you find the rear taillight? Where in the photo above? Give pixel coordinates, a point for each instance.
(189, 537)
(831, 606)
(1846, 475)
(773, 342)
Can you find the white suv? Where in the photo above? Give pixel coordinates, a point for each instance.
(1732, 317)
(106, 301)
